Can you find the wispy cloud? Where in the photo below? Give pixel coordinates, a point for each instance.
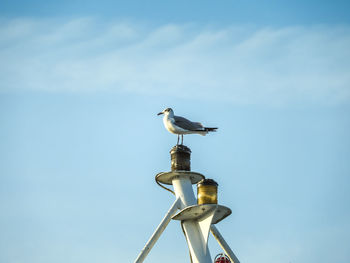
(241, 64)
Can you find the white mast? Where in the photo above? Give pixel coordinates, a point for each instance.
(197, 218)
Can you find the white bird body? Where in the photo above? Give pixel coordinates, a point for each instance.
(180, 126)
(169, 123)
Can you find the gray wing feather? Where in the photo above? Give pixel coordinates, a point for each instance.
(188, 125)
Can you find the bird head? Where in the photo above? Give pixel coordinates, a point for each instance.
(167, 111)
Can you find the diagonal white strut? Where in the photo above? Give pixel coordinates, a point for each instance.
(223, 244)
(157, 233)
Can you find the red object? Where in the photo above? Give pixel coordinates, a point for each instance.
(222, 258)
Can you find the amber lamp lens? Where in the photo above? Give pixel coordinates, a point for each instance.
(207, 192)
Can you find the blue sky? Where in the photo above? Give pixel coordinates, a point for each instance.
(274, 12)
(80, 142)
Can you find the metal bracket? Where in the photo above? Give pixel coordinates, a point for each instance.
(168, 177)
(197, 212)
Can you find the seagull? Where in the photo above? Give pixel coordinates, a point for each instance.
(180, 126)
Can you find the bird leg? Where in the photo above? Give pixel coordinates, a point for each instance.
(178, 138)
(182, 139)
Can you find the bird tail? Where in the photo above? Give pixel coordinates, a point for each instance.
(210, 129)
(205, 130)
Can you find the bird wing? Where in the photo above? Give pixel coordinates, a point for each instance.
(187, 125)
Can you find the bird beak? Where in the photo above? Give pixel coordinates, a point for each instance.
(160, 113)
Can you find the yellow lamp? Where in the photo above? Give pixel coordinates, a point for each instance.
(207, 192)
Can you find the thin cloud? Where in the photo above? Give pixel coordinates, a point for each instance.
(239, 64)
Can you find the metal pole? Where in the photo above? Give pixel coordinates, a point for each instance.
(223, 244)
(163, 224)
(198, 246)
(184, 191)
(181, 161)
